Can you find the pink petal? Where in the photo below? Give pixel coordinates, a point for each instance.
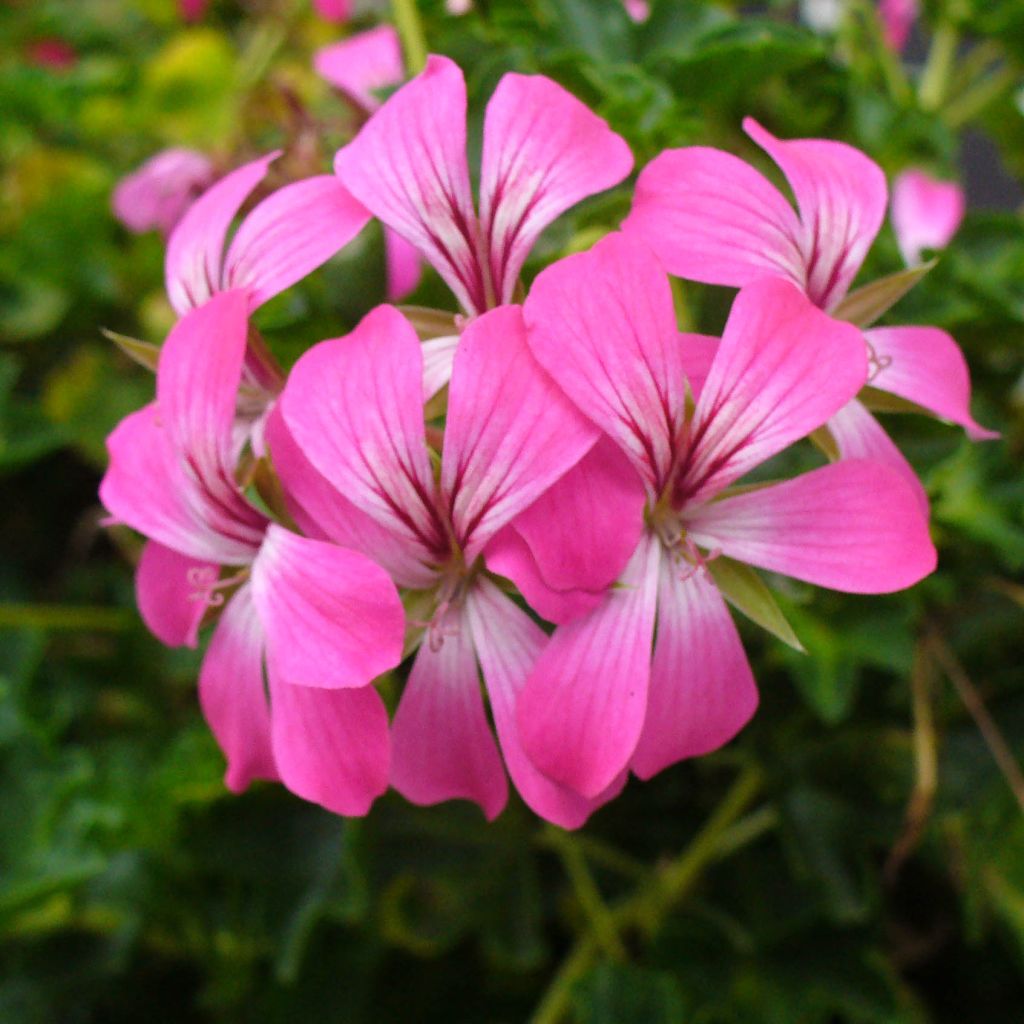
(361, 64)
(702, 690)
(147, 487)
(355, 408)
(603, 325)
(165, 589)
(544, 151)
(711, 217)
(858, 435)
(157, 194)
(508, 644)
(638, 10)
(582, 709)
(322, 513)
(195, 250)
(408, 167)
(232, 696)
(332, 618)
(442, 746)
(841, 194)
(898, 17)
(510, 432)
(925, 365)
(192, 10)
(333, 10)
(585, 527)
(782, 368)
(290, 234)
(197, 382)
(855, 526)
(926, 213)
(331, 746)
(404, 266)
(510, 556)
(438, 357)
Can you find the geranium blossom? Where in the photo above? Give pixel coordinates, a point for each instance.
(926, 213)
(354, 456)
(898, 17)
(711, 217)
(156, 195)
(543, 152)
(602, 324)
(358, 66)
(322, 620)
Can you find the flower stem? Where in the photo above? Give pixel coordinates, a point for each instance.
(410, 30)
(655, 898)
(602, 926)
(938, 69)
(974, 100)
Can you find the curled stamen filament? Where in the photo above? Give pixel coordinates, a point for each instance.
(876, 363)
(206, 587)
(698, 562)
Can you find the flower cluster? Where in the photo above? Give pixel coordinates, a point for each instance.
(542, 499)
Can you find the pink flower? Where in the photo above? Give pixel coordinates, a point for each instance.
(926, 213)
(358, 66)
(354, 458)
(323, 620)
(711, 217)
(638, 10)
(543, 152)
(53, 53)
(284, 238)
(602, 324)
(898, 17)
(192, 10)
(333, 10)
(156, 196)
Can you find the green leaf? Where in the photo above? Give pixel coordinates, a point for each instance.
(623, 994)
(745, 590)
(865, 305)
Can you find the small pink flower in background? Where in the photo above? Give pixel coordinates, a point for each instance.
(334, 10)
(926, 213)
(358, 66)
(323, 620)
(355, 457)
(457, 8)
(711, 217)
(898, 17)
(53, 53)
(361, 64)
(192, 10)
(602, 324)
(543, 152)
(638, 10)
(156, 196)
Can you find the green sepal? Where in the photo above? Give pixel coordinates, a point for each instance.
(864, 306)
(747, 592)
(144, 353)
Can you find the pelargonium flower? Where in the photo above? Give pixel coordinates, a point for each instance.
(355, 456)
(602, 324)
(898, 17)
(156, 195)
(285, 237)
(711, 217)
(322, 620)
(543, 151)
(926, 213)
(358, 66)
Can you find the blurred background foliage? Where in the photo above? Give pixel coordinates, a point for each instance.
(857, 855)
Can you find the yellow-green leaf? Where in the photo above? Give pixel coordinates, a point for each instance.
(144, 353)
